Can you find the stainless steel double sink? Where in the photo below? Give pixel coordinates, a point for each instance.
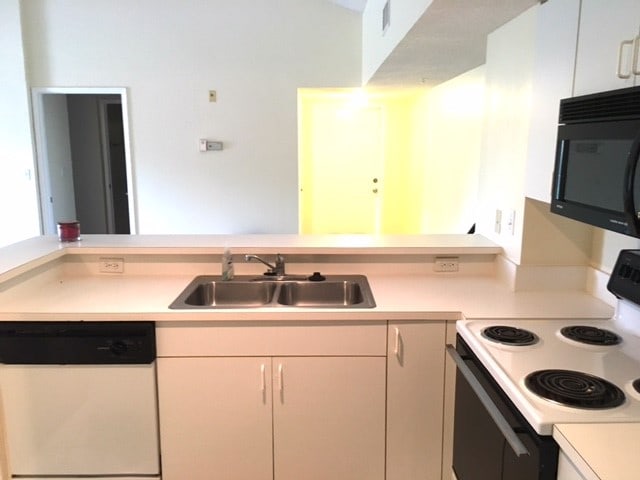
(335, 291)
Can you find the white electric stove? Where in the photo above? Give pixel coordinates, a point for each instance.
(568, 371)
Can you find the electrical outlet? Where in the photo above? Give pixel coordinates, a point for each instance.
(511, 222)
(446, 264)
(111, 265)
(497, 227)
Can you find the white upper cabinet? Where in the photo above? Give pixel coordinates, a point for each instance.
(553, 69)
(608, 39)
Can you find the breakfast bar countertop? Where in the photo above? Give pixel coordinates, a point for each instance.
(41, 279)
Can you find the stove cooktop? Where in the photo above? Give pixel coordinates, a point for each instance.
(615, 361)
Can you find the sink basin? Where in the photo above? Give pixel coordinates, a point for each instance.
(336, 291)
(230, 294)
(327, 293)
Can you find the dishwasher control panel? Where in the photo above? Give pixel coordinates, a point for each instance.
(77, 343)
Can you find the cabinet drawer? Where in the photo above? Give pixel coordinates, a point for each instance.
(187, 339)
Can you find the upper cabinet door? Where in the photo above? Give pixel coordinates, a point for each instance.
(606, 44)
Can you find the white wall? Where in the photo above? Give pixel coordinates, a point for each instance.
(452, 153)
(510, 53)
(376, 44)
(169, 55)
(19, 213)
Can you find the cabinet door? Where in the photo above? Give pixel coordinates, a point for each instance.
(415, 399)
(603, 26)
(329, 418)
(215, 418)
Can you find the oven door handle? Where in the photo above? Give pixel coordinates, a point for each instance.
(502, 424)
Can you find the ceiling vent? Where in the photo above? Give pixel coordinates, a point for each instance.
(386, 16)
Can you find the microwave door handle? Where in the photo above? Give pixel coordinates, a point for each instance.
(502, 424)
(629, 187)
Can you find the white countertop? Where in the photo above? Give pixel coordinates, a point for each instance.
(408, 297)
(400, 293)
(603, 451)
(47, 247)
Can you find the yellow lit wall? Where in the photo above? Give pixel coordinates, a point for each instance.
(451, 147)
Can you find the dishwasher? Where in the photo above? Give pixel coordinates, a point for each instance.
(79, 400)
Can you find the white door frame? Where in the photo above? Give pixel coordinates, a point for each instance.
(42, 169)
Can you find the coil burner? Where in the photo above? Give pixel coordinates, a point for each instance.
(590, 335)
(510, 335)
(575, 389)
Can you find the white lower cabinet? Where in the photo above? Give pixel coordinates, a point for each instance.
(328, 418)
(273, 417)
(215, 418)
(415, 399)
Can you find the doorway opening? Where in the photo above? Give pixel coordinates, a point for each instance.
(83, 159)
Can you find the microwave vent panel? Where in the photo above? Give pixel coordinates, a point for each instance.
(615, 105)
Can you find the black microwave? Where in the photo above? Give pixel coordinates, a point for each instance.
(595, 178)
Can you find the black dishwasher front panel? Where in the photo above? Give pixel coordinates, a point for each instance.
(77, 343)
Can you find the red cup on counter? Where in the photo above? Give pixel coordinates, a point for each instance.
(69, 231)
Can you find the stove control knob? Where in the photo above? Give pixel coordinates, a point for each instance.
(625, 271)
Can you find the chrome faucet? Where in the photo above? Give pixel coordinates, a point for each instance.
(277, 269)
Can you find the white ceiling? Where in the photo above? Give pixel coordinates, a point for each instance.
(449, 39)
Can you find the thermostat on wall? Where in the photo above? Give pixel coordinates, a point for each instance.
(208, 145)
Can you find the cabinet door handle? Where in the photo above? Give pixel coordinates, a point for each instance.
(621, 50)
(263, 382)
(398, 344)
(635, 68)
(280, 378)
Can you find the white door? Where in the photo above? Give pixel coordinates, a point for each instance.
(81, 419)
(342, 180)
(215, 418)
(329, 418)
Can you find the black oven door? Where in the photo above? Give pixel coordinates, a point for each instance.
(492, 441)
